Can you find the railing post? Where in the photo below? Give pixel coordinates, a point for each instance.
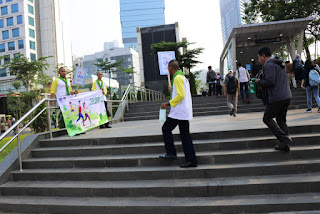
(19, 148)
(49, 118)
(145, 92)
(149, 95)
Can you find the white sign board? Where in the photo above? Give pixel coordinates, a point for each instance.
(79, 76)
(164, 58)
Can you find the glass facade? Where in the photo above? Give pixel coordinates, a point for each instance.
(33, 57)
(4, 11)
(232, 12)
(5, 34)
(11, 46)
(14, 8)
(15, 32)
(30, 9)
(10, 21)
(138, 13)
(1, 23)
(20, 44)
(2, 48)
(32, 45)
(31, 33)
(19, 19)
(31, 21)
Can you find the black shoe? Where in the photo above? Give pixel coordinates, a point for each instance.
(102, 127)
(168, 157)
(231, 112)
(284, 149)
(189, 164)
(107, 126)
(283, 145)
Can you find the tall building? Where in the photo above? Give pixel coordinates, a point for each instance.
(138, 13)
(129, 57)
(232, 12)
(149, 66)
(34, 28)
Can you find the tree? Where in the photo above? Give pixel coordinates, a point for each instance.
(26, 70)
(105, 65)
(275, 10)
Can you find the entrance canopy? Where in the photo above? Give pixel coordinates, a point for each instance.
(245, 41)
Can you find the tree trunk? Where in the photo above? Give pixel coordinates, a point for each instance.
(306, 47)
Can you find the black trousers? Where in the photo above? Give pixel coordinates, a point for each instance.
(277, 110)
(185, 136)
(108, 113)
(212, 89)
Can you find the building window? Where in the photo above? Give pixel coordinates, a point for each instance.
(33, 57)
(30, 9)
(3, 72)
(19, 19)
(5, 34)
(10, 21)
(1, 23)
(16, 55)
(31, 21)
(20, 44)
(31, 1)
(15, 32)
(8, 0)
(32, 45)
(4, 10)
(6, 59)
(11, 46)
(1, 1)
(14, 8)
(2, 48)
(31, 33)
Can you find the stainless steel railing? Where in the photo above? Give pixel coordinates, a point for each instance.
(16, 126)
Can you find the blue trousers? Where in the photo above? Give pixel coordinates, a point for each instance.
(315, 90)
(246, 88)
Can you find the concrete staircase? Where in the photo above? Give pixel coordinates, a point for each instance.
(238, 173)
(207, 106)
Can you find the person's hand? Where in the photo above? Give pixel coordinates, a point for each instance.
(257, 80)
(51, 103)
(102, 91)
(76, 92)
(164, 105)
(303, 87)
(169, 89)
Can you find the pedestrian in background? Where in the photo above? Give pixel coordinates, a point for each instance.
(219, 85)
(244, 78)
(180, 114)
(305, 84)
(297, 67)
(231, 91)
(211, 80)
(291, 75)
(276, 95)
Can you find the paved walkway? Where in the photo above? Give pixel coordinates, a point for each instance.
(200, 124)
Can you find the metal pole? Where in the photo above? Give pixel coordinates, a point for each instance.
(145, 91)
(49, 119)
(122, 119)
(19, 149)
(149, 96)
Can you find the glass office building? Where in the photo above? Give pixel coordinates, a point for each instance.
(139, 13)
(232, 12)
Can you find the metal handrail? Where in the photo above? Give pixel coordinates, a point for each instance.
(16, 125)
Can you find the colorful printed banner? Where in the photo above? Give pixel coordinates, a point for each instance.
(84, 112)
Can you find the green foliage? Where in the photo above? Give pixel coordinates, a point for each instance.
(10, 147)
(275, 10)
(192, 82)
(41, 123)
(16, 84)
(114, 96)
(25, 70)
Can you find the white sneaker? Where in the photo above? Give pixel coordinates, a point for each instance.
(309, 110)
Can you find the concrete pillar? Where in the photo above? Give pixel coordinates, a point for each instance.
(300, 43)
(234, 54)
(292, 49)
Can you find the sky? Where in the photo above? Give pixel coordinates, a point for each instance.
(96, 22)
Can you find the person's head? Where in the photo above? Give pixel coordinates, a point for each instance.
(99, 74)
(84, 104)
(239, 64)
(314, 62)
(308, 64)
(230, 73)
(209, 68)
(53, 113)
(276, 57)
(264, 54)
(297, 56)
(173, 66)
(62, 72)
(287, 62)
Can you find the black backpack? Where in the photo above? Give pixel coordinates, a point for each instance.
(232, 86)
(212, 75)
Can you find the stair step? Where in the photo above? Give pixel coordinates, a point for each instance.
(147, 205)
(169, 172)
(212, 187)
